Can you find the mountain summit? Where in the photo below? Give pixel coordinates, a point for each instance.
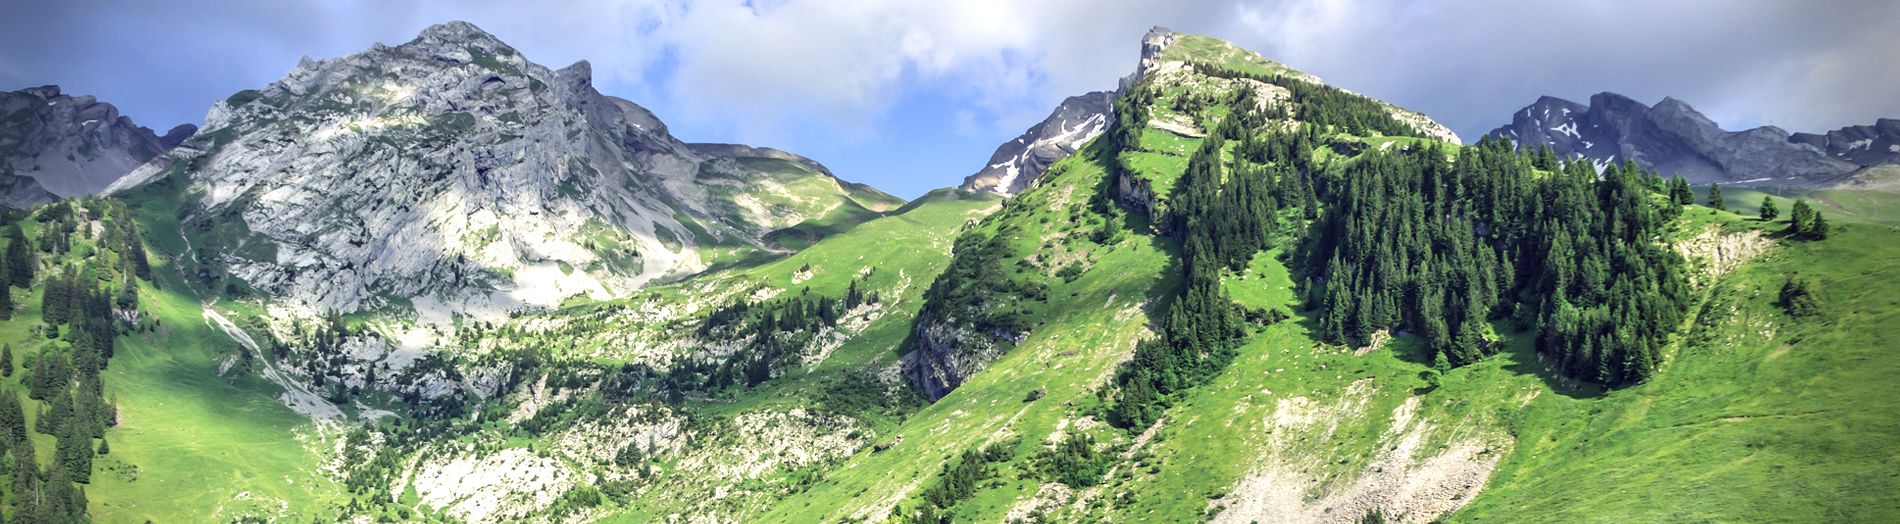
(450, 173)
(1019, 162)
(57, 145)
(1671, 138)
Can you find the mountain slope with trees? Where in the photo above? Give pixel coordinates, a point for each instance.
(1252, 297)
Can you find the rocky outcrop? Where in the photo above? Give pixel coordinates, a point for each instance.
(1153, 44)
(1673, 139)
(451, 174)
(57, 145)
(1713, 253)
(1018, 162)
(1878, 144)
(947, 353)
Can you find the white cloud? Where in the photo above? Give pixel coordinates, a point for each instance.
(744, 70)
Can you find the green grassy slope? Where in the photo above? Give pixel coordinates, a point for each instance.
(1086, 327)
(1873, 206)
(1759, 417)
(907, 249)
(193, 442)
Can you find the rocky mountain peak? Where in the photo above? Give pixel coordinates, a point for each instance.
(1153, 44)
(577, 75)
(57, 145)
(451, 175)
(1673, 138)
(1018, 162)
(1867, 145)
(457, 32)
(177, 135)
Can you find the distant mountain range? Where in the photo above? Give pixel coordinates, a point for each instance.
(57, 145)
(1673, 138)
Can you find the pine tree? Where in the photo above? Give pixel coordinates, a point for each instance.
(12, 418)
(1797, 297)
(1715, 197)
(1768, 210)
(26, 476)
(1819, 229)
(59, 413)
(1679, 191)
(21, 262)
(1800, 217)
(6, 360)
(6, 300)
(62, 502)
(74, 451)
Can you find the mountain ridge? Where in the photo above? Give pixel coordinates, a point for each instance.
(1673, 138)
(53, 144)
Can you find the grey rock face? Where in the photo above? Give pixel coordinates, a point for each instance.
(1018, 162)
(450, 175)
(1671, 138)
(1153, 44)
(57, 145)
(947, 354)
(1865, 145)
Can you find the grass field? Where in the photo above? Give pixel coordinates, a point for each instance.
(192, 443)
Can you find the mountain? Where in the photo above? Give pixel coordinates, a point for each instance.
(57, 145)
(1254, 297)
(1194, 74)
(1865, 145)
(451, 174)
(1018, 162)
(1674, 139)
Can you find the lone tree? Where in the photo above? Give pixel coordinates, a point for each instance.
(1768, 209)
(1800, 218)
(1818, 230)
(1715, 197)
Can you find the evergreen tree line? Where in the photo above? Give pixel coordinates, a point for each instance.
(1201, 328)
(960, 478)
(1222, 219)
(981, 291)
(1412, 241)
(1325, 107)
(774, 335)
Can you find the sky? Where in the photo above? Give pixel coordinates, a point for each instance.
(911, 95)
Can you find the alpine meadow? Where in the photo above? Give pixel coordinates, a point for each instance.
(436, 281)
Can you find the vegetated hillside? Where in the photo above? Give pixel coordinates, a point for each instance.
(1481, 345)
(172, 417)
(1252, 298)
(450, 174)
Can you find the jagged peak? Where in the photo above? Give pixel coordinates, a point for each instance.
(45, 91)
(1548, 100)
(455, 30)
(1670, 103)
(578, 74)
